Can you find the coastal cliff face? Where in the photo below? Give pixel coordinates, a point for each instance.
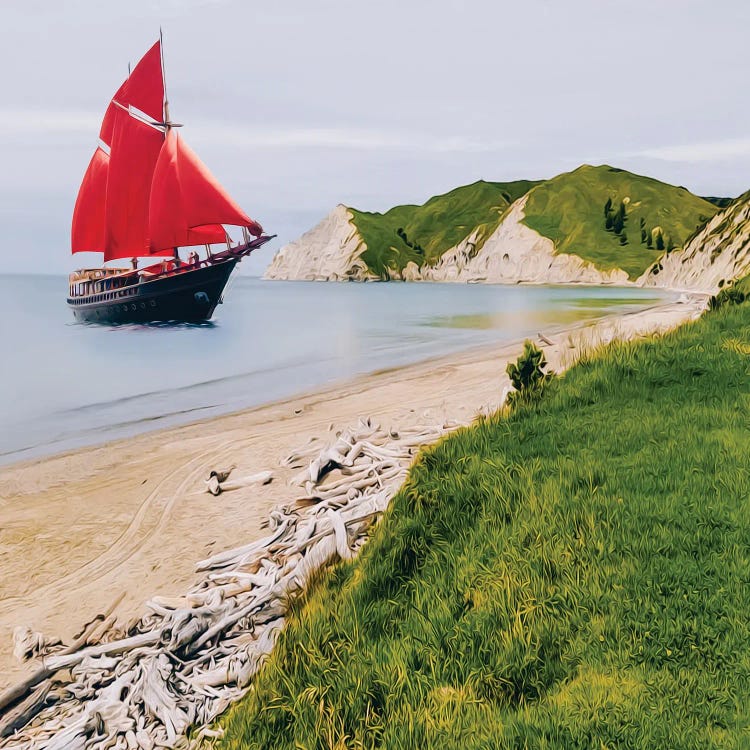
(594, 225)
(714, 256)
(513, 253)
(330, 251)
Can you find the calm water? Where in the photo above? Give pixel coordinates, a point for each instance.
(66, 384)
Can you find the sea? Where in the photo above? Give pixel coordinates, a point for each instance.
(65, 385)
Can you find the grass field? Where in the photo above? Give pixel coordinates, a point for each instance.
(573, 575)
(569, 209)
(439, 224)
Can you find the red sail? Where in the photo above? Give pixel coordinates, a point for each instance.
(135, 149)
(187, 203)
(143, 89)
(151, 194)
(87, 233)
(168, 222)
(204, 199)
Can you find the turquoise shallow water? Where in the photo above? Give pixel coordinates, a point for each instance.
(65, 385)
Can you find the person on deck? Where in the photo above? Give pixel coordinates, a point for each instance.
(134, 263)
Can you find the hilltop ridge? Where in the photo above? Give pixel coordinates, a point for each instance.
(596, 224)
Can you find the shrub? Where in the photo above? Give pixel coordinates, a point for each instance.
(527, 374)
(727, 296)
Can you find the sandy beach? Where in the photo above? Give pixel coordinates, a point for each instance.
(132, 517)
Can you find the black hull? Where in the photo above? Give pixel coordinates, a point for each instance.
(188, 296)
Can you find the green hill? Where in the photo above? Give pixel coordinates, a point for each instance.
(423, 233)
(573, 575)
(569, 209)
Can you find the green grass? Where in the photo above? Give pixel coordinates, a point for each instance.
(573, 575)
(439, 224)
(569, 209)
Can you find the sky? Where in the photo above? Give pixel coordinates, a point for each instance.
(301, 105)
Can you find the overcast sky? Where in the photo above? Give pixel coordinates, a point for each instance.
(299, 105)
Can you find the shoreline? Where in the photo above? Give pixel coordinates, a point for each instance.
(131, 516)
(172, 421)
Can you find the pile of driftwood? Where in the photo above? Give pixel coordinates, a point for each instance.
(143, 685)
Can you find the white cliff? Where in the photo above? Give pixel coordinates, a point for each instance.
(717, 254)
(512, 254)
(330, 251)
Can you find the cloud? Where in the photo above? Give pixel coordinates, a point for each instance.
(21, 122)
(339, 138)
(729, 148)
(26, 122)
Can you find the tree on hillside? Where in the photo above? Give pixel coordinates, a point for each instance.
(609, 222)
(649, 240)
(621, 211)
(659, 241)
(643, 235)
(607, 207)
(618, 222)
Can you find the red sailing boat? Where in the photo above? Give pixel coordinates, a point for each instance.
(146, 194)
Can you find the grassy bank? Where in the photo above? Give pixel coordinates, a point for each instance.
(576, 574)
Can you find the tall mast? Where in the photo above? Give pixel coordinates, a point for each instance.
(164, 77)
(167, 123)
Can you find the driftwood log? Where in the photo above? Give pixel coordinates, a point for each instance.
(182, 663)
